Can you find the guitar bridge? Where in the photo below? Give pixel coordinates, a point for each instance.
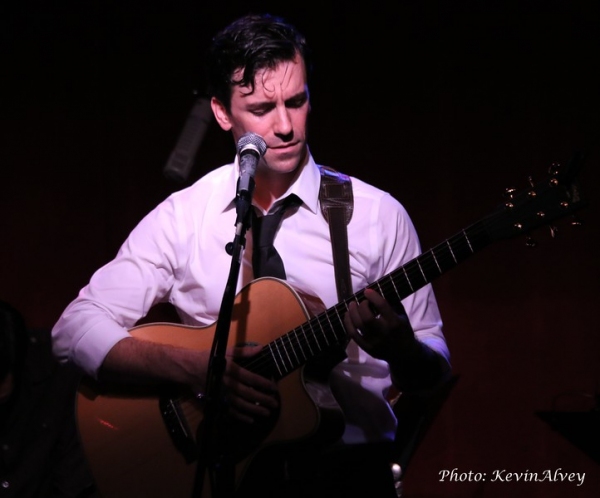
(178, 428)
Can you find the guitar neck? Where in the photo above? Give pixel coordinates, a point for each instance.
(326, 331)
(539, 204)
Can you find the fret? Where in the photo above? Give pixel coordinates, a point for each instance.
(444, 258)
(436, 262)
(282, 358)
(422, 272)
(312, 353)
(338, 316)
(290, 351)
(315, 336)
(271, 346)
(451, 252)
(468, 241)
(395, 289)
(286, 349)
(331, 327)
(299, 342)
(478, 237)
(407, 279)
(294, 349)
(460, 250)
(417, 279)
(338, 326)
(322, 330)
(403, 285)
(430, 271)
(312, 335)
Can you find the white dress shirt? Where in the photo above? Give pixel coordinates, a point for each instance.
(177, 254)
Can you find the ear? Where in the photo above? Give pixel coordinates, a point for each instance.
(221, 114)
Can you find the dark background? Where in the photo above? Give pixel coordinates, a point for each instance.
(443, 104)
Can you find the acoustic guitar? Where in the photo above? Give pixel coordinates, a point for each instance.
(143, 441)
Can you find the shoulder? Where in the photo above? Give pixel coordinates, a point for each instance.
(179, 215)
(375, 205)
(377, 199)
(360, 187)
(216, 189)
(216, 181)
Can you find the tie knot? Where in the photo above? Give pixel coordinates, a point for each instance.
(265, 258)
(265, 227)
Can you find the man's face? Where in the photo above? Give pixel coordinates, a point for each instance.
(277, 110)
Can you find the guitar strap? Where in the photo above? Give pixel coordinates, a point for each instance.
(337, 204)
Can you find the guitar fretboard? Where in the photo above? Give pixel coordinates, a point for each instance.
(326, 331)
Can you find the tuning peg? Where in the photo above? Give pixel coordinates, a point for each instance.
(576, 221)
(509, 192)
(530, 242)
(553, 230)
(554, 168)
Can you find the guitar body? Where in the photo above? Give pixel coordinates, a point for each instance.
(127, 443)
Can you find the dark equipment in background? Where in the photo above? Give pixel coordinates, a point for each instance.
(182, 158)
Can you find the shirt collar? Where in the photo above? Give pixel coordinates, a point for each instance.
(306, 186)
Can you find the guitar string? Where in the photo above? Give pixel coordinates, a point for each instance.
(417, 272)
(429, 265)
(290, 345)
(426, 264)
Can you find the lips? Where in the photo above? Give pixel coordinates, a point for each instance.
(292, 147)
(285, 146)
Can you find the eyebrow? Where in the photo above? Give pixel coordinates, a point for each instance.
(268, 104)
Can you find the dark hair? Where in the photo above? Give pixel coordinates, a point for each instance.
(13, 340)
(252, 43)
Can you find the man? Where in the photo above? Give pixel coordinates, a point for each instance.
(40, 455)
(257, 73)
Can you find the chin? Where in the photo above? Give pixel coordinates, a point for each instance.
(286, 162)
(285, 167)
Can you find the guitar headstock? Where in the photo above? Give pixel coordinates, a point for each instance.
(541, 203)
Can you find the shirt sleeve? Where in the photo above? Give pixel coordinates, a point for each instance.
(400, 244)
(121, 292)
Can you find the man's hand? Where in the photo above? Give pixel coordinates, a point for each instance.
(386, 333)
(378, 329)
(248, 395)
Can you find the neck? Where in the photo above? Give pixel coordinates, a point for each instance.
(270, 186)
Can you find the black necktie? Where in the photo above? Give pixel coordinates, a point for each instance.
(265, 258)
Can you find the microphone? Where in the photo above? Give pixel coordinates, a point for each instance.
(251, 147)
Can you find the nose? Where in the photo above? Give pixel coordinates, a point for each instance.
(283, 123)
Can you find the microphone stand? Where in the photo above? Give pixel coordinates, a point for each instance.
(212, 458)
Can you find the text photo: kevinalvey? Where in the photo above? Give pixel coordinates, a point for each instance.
(505, 476)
